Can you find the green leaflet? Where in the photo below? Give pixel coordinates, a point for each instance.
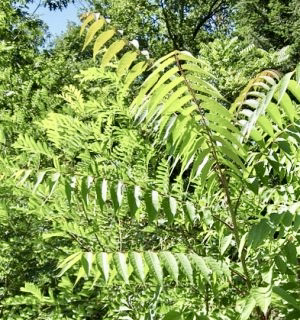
(137, 263)
(53, 182)
(194, 68)
(27, 143)
(215, 107)
(166, 76)
(290, 251)
(152, 202)
(250, 304)
(168, 104)
(68, 263)
(87, 20)
(294, 88)
(96, 26)
(101, 40)
(287, 105)
(228, 136)
(39, 179)
(134, 199)
(120, 262)
(219, 268)
(173, 315)
(175, 106)
(101, 191)
(190, 211)
(283, 85)
(87, 261)
(298, 74)
(222, 122)
(170, 264)
(242, 243)
(256, 136)
(134, 72)
(189, 156)
(258, 233)
(161, 60)
(182, 123)
(103, 263)
(199, 163)
(185, 266)
(225, 242)
(187, 56)
(164, 90)
(229, 152)
(170, 208)
(200, 265)
(125, 62)
(33, 289)
(274, 113)
(85, 187)
(286, 297)
(80, 274)
(262, 296)
(207, 91)
(70, 183)
(154, 266)
(206, 169)
(150, 81)
(166, 129)
(203, 83)
(116, 192)
(113, 49)
(266, 125)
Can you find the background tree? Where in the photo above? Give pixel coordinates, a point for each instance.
(271, 25)
(161, 25)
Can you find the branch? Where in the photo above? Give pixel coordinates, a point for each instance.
(210, 13)
(35, 10)
(173, 38)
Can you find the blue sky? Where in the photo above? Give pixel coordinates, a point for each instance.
(57, 20)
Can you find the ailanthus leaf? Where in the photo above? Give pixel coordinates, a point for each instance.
(125, 62)
(86, 21)
(190, 211)
(283, 294)
(225, 242)
(101, 40)
(96, 26)
(200, 265)
(170, 207)
(33, 289)
(137, 263)
(170, 264)
(185, 265)
(112, 50)
(103, 263)
(120, 261)
(87, 261)
(117, 194)
(274, 113)
(283, 85)
(250, 304)
(69, 263)
(154, 266)
(152, 202)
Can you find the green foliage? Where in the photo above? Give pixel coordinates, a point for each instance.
(149, 198)
(271, 24)
(162, 26)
